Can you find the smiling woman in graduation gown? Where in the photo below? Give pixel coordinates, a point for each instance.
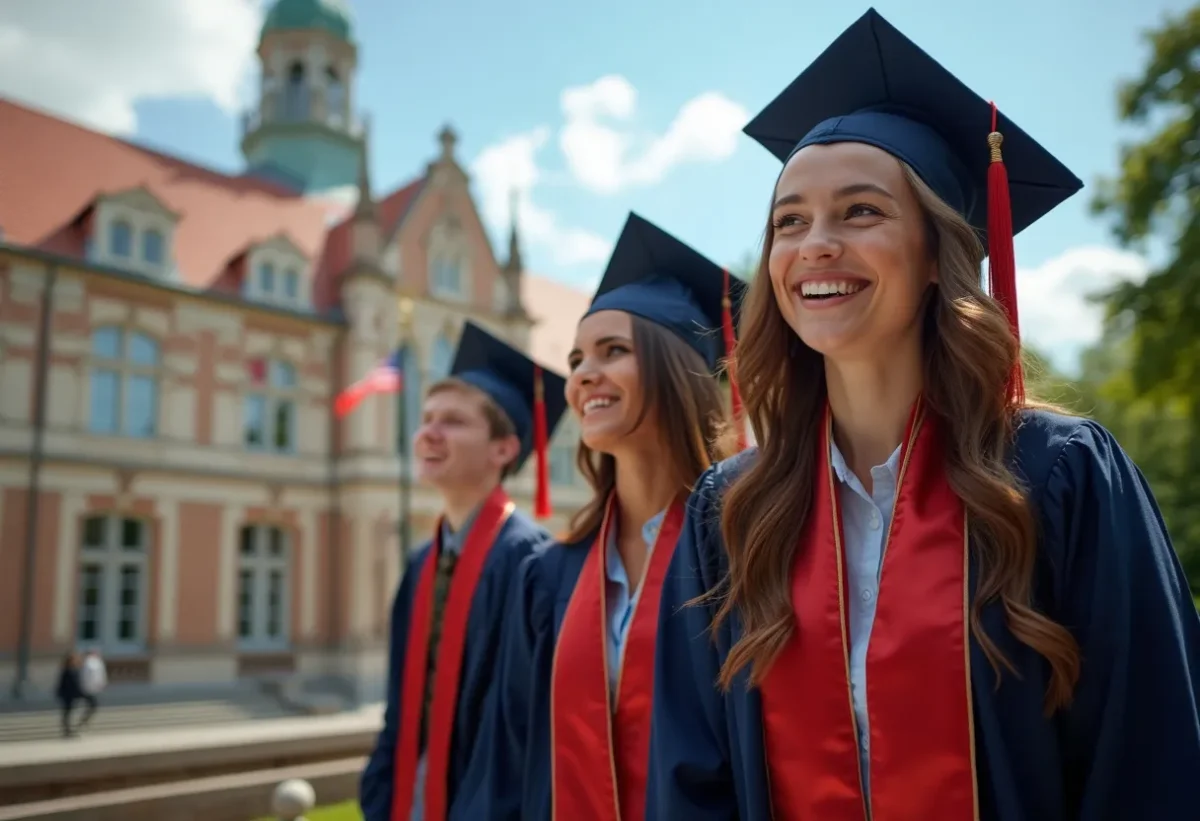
(568, 728)
(921, 597)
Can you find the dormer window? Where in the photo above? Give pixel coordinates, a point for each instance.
(291, 285)
(132, 230)
(120, 243)
(276, 274)
(152, 246)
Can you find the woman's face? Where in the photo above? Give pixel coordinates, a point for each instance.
(604, 387)
(849, 265)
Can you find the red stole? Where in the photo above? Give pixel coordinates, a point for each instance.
(599, 760)
(922, 747)
(491, 517)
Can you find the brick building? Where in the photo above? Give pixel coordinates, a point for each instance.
(171, 340)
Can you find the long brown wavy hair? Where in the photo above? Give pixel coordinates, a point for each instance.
(688, 408)
(969, 352)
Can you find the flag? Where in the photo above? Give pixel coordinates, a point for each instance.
(257, 371)
(386, 377)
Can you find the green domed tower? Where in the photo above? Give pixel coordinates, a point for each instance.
(304, 132)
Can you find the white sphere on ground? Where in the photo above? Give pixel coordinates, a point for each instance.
(293, 798)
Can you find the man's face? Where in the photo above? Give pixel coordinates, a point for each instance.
(454, 446)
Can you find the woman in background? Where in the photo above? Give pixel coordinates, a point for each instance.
(569, 726)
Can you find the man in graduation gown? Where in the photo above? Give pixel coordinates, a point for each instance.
(948, 738)
(478, 426)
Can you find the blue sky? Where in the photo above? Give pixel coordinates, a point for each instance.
(497, 72)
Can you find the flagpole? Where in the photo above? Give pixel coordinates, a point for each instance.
(406, 310)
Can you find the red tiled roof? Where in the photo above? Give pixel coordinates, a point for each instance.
(51, 171)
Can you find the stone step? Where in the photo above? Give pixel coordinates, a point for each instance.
(232, 797)
(46, 724)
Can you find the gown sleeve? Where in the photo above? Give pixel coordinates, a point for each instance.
(502, 765)
(1132, 733)
(690, 776)
(375, 786)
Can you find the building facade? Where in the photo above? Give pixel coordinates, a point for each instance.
(175, 490)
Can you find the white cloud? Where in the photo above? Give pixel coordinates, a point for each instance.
(510, 166)
(607, 158)
(1056, 316)
(92, 61)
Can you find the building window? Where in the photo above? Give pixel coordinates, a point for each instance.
(295, 95)
(152, 247)
(124, 383)
(441, 359)
(266, 279)
(447, 277)
(270, 407)
(120, 239)
(113, 584)
(263, 588)
(562, 463)
(291, 285)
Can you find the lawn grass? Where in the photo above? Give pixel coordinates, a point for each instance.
(334, 812)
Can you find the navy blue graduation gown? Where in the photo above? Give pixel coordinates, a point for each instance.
(519, 536)
(509, 775)
(1127, 748)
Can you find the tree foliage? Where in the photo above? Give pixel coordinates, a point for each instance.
(1144, 376)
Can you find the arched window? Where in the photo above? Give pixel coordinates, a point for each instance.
(263, 595)
(295, 95)
(120, 239)
(152, 247)
(291, 285)
(266, 279)
(111, 614)
(335, 98)
(446, 277)
(269, 411)
(441, 358)
(123, 382)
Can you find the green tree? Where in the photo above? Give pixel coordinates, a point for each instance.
(1145, 375)
(1157, 196)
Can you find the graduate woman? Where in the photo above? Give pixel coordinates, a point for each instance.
(569, 727)
(920, 599)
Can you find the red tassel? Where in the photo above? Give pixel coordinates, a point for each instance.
(541, 496)
(735, 396)
(1002, 265)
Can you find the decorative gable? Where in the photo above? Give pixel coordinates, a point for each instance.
(134, 230)
(278, 273)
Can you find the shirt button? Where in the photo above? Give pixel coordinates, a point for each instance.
(867, 594)
(874, 520)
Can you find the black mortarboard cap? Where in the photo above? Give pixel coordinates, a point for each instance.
(510, 378)
(655, 276)
(873, 85)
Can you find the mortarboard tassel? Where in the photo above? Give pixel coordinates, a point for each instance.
(1002, 265)
(735, 396)
(541, 495)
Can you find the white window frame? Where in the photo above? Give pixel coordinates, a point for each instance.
(257, 567)
(273, 393)
(110, 558)
(125, 369)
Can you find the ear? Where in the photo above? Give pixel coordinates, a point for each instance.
(505, 450)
